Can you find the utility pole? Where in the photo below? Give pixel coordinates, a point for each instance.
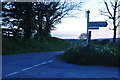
(87, 12)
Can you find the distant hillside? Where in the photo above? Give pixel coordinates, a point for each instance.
(118, 39)
(71, 39)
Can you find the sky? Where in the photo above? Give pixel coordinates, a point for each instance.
(71, 28)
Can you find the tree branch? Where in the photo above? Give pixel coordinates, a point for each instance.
(108, 9)
(102, 11)
(112, 4)
(118, 4)
(106, 15)
(117, 18)
(118, 24)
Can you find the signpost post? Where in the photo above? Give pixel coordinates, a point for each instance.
(87, 25)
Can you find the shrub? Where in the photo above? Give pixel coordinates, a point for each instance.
(105, 41)
(101, 42)
(117, 45)
(92, 55)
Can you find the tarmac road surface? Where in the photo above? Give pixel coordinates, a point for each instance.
(47, 65)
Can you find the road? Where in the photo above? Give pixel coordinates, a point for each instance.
(47, 65)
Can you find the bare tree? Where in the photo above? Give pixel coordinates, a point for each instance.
(82, 36)
(112, 15)
(51, 13)
(37, 18)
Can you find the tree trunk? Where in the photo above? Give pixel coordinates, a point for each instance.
(47, 27)
(27, 33)
(28, 29)
(114, 36)
(40, 31)
(114, 23)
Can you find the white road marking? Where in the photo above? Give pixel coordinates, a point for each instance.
(29, 68)
(25, 69)
(12, 73)
(50, 61)
(44, 63)
(36, 65)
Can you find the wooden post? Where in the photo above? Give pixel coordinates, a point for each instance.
(89, 36)
(87, 26)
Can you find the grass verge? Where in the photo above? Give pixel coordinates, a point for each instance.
(16, 46)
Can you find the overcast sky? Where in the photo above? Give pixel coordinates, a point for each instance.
(73, 27)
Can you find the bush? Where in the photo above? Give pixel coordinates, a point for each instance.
(117, 45)
(92, 55)
(101, 42)
(105, 41)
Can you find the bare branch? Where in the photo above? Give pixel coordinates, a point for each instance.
(118, 4)
(112, 4)
(117, 18)
(118, 24)
(102, 11)
(109, 23)
(110, 29)
(108, 8)
(106, 15)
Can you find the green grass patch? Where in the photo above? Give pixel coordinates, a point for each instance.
(93, 54)
(16, 46)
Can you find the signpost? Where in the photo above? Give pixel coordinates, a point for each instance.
(93, 25)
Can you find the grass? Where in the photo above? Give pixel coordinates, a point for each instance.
(17, 46)
(93, 54)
